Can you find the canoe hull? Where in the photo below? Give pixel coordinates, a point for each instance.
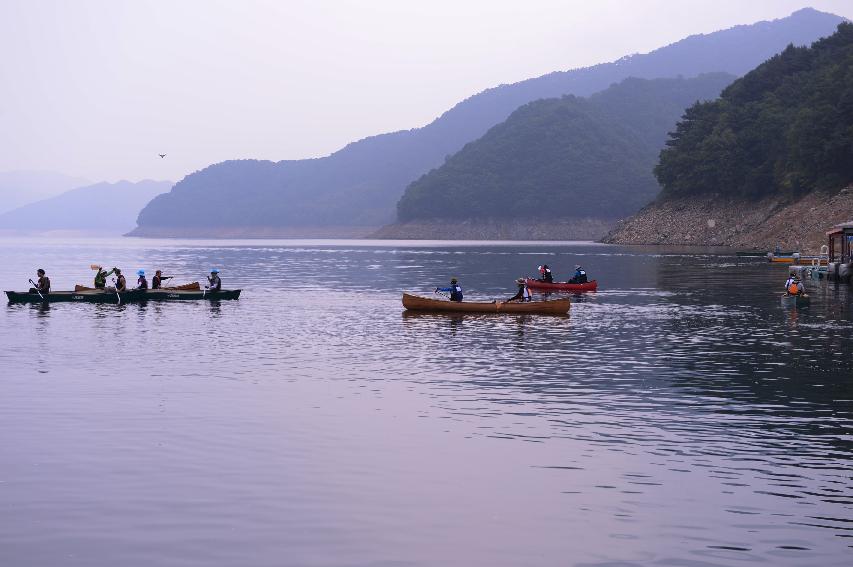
(553, 307)
(131, 296)
(795, 300)
(561, 286)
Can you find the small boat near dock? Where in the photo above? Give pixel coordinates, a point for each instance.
(549, 307)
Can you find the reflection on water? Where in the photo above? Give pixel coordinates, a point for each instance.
(677, 416)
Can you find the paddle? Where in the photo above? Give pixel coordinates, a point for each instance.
(443, 294)
(115, 285)
(37, 289)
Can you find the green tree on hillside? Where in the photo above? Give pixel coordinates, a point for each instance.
(784, 128)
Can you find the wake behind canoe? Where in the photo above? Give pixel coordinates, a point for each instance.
(552, 307)
(130, 296)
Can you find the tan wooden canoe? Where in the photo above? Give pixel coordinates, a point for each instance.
(552, 307)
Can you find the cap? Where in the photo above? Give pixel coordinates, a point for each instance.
(214, 271)
(140, 273)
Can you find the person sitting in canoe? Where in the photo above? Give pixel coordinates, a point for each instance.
(141, 281)
(121, 282)
(157, 280)
(523, 293)
(42, 284)
(794, 286)
(101, 277)
(214, 283)
(455, 290)
(580, 276)
(545, 274)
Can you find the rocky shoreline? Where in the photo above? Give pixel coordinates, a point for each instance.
(750, 225)
(499, 229)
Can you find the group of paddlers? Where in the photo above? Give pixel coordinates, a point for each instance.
(523, 293)
(101, 275)
(42, 284)
(546, 276)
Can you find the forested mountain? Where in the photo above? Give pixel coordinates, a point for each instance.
(784, 128)
(18, 188)
(360, 184)
(566, 157)
(100, 207)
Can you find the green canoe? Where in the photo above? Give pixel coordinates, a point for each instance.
(130, 296)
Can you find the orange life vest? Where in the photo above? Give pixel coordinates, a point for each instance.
(793, 289)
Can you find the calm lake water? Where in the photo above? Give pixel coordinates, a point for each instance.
(679, 416)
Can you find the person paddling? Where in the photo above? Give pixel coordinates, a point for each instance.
(214, 283)
(42, 283)
(121, 282)
(455, 290)
(793, 286)
(545, 274)
(157, 280)
(141, 281)
(101, 277)
(523, 293)
(580, 276)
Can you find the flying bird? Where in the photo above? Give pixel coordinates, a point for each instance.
(162, 155)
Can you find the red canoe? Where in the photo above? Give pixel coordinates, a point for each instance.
(561, 286)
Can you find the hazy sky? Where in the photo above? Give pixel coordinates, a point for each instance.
(98, 88)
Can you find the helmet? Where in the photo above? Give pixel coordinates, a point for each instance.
(140, 273)
(214, 271)
(116, 270)
(453, 280)
(40, 271)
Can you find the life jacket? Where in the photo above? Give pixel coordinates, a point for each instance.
(155, 282)
(215, 283)
(455, 292)
(547, 275)
(44, 284)
(793, 289)
(121, 283)
(142, 283)
(525, 294)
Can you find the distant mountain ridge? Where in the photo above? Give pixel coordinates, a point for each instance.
(18, 188)
(563, 157)
(110, 207)
(360, 184)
